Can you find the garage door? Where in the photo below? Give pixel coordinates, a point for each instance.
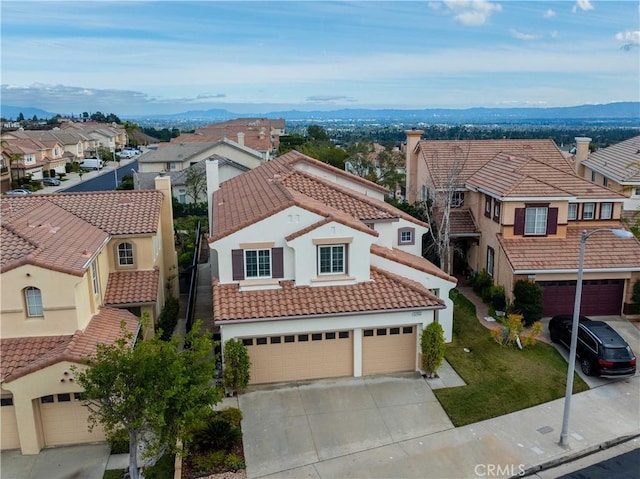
(9, 438)
(599, 297)
(65, 421)
(300, 356)
(388, 350)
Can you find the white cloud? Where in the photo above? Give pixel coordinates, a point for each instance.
(549, 14)
(523, 36)
(629, 37)
(472, 12)
(584, 5)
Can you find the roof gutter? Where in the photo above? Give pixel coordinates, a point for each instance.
(575, 270)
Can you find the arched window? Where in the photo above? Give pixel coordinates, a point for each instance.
(125, 254)
(33, 300)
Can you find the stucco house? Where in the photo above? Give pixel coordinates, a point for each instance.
(518, 213)
(617, 167)
(318, 275)
(73, 267)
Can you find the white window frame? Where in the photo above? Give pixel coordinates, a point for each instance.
(252, 258)
(334, 267)
(491, 260)
(535, 220)
(591, 212)
(406, 237)
(33, 301)
(94, 277)
(572, 212)
(126, 253)
(609, 214)
(457, 199)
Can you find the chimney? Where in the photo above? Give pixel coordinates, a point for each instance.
(170, 257)
(413, 137)
(241, 138)
(581, 154)
(213, 185)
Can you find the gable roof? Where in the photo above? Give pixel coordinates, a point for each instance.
(386, 291)
(278, 184)
(411, 260)
(176, 152)
(619, 162)
(63, 231)
(468, 156)
(515, 176)
(22, 356)
(132, 287)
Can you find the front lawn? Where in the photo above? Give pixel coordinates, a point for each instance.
(500, 379)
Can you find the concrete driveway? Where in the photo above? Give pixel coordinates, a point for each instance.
(298, 424)
(628, 330)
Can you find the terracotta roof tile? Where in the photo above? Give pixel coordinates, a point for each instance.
(603, 251)
(129, 287)
(413, 261)
(620, 161)
(461, 222)
(22, 356)
(386, 291)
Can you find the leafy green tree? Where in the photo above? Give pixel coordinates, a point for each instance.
(237, 366)
(527, 300)
(317, 133)
(20, 117)
(154, 390)
(195, 184)
(432, 348)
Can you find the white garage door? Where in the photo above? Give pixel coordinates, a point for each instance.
(300, 356)
(389, 350)
(9, 438)
(64, 421)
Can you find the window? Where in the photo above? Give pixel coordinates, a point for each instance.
(261, 341)
(406, 236)
(588, 211)
(605, 181)
(47, 399)
(125, 254)
(331, 259)
(66, 397)
(257, 263)
(535, 222)
(572, 214)
(457, 199)
(394, 331)
(247, 342)
(605, 211)
(381, 332)
(6, 401)
(329, 335)
(275, 340)
(33, 299)
(368, 332)
(490, 260)
(303, 337)
(343, 335)
(496, 211)
(407, 330)
(487, 206)
(94, 277)
(316, 337)
(289, 339)
(593, 176)
(636, 191)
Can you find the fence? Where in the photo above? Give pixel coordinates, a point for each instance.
(193, 281)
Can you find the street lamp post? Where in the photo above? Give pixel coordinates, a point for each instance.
(620, 233)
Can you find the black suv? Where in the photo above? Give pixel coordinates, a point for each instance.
(601, 350)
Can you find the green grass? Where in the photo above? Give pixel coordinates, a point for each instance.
(113, 474)
(500, 379)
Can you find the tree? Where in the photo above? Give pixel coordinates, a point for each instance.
(432, 348)
(20, 117)
(317, 133)
(527, 300)
(237, 366)
(195, 183)
(152, 390)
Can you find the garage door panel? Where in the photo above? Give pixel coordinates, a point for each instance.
(9, 438)
(384, 352)
(65, 421)
(283, 360)
(599, 297)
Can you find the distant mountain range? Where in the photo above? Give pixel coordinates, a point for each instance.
(629, 111)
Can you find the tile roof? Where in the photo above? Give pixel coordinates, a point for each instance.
(22, 356)
(461, 222)
(515, 176)
(64, 231)
(386, 291)
(278, 184)
(132, 287)
(411, 260)
(177, 152)
(603, 251)
(443, 156)
(620, 162)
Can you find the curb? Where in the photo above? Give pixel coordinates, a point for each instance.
(576, 455)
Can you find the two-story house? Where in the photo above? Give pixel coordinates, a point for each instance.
(318, 275)
(73, 267)
(520, 213)
(73, 142)
(617, 167)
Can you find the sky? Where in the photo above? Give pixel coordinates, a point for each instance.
(161, 57)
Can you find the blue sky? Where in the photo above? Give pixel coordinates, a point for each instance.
(252, 57)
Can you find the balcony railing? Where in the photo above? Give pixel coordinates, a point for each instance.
(4, 170)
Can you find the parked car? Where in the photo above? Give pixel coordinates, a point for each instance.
(51, 181)
(92, 163)
(18, 191)
(600, 349)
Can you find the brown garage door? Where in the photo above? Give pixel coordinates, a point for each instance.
(388, 350)
(599, 297)
(65, 421)
(300, 356)
(9, 438)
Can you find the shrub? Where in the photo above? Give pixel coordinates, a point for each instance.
(482, 283)
(231, 415)
(169, 318)
(119, 441)
(208, 461)
(237, 366)
(530, 338)
(498, 298)
(527, 300)
(217, 434)
(234, 462)
(432, 347)
(163, 469)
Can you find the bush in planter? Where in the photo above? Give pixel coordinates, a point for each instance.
(118, 441)
(527, 300)
(234, 462)
(217, 434)
(432, 348)
(232, 415)
(237, 366)
(208, 461)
